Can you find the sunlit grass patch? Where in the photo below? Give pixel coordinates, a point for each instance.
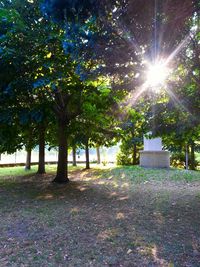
(104, 175)
(136, 174)
(20, 170)
(16, 171)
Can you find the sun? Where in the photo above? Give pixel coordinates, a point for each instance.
(157, 74)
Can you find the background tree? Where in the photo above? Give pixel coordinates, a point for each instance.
(132, 132)
(21, 25)
(175, 111)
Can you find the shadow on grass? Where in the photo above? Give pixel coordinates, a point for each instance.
(106, 225)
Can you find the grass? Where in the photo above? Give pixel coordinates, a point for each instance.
(106, 216)
(136, 174)
(16, 171)
(20, 171)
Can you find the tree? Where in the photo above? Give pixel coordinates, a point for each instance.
(120, 36)
(132, 130)
(96, 125)
(175, 116)
(17, 67)
(91, 41)
(124, 31)
(46, 78)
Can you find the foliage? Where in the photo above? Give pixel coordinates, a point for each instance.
(174, 112)
(132, 130)
(177, 159)
(124, 158)
(67, 65)
(21, 37)
(48, 85)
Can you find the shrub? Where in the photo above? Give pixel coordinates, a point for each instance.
(178, 160)
(123, 159)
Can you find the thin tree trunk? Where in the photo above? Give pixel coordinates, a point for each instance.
(192, 165)
(62, 170)
(186, 157)
(134, 154)
(98, 155)
(41, 164)
(87, 155)
(74, 155)
(28, 159)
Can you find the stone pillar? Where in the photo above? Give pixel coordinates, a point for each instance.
(153, 156)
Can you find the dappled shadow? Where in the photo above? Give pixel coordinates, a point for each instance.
(96, 223)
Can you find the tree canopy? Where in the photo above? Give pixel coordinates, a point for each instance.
(68, 70)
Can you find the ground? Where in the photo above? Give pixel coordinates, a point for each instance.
(125, 216)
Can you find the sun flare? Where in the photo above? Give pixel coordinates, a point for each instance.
(157, 74)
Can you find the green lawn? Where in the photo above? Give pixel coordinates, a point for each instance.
(135, 173)
(20, 171)
(108, 216)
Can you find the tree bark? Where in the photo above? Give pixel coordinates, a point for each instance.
(28, 159)
(98, 155)
(87, 155)
(41, 164)
(74, 156)
(62, 168)
(134, 160)
(186, 157)
(192, 164)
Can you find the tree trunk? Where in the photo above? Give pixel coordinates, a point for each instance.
(87, 155)
(186, 157)
(62, 170)
(41, 164)
(98, 155)
(192, 164)
(28, 159)
(134, 159)
(74, 156)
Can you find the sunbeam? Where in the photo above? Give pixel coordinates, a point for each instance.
(158, 72)
(176, 100)
(155, 69)
(177, 50)
(135, 95)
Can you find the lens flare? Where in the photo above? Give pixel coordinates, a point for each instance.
(157, 74)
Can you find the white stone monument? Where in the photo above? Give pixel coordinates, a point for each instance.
(153, 156)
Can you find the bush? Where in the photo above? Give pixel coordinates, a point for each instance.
(178, 160)
(123, 159)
